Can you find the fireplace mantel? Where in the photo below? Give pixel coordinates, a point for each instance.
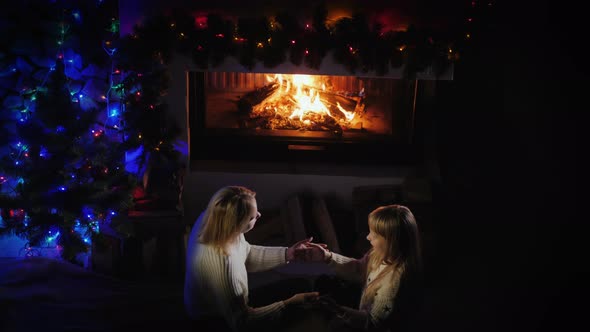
(327, 67)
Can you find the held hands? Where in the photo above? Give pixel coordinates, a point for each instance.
(303, 298)
(307, 251)
(327, 303)
(313, 300)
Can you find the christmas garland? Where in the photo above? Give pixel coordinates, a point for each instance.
(354, 42)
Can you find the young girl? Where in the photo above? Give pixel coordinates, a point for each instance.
(394, 256)
(219, 259)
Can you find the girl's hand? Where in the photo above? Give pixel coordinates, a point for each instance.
(316, 252)
(306, 251)
(328, 304)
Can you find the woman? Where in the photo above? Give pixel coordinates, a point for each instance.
(219, 259)
(394, 256)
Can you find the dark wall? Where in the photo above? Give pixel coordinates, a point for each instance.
(507, 146)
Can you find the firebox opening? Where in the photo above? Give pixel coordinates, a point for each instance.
(296, 105)
(295, 117)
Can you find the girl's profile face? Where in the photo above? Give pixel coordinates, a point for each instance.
(377, 241)
(252, 218)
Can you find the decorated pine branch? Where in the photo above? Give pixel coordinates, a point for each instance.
(62, 166)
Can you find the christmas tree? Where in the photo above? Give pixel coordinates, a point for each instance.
(62, 167)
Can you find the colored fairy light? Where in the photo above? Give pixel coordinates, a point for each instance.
(114, 28)
(113, 112)
(62, 188)
(293, 42)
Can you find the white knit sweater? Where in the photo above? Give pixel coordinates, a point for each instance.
(217, 284)
(373, 314)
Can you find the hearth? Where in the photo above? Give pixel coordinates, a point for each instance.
(273, 116)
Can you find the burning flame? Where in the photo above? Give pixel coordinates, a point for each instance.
(305, 92)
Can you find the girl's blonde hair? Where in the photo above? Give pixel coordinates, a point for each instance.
(229, 208)
(397, 225)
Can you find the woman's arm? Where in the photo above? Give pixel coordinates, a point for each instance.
(237, 311)
(262, 258)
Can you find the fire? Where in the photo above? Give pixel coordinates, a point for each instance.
(302, 97)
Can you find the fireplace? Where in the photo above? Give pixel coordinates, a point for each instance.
(274, 116)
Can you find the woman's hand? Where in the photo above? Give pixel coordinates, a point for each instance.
(306, 251)
(302, 298)
(317, 252)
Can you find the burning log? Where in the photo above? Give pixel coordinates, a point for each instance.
(349, 103)
(253, 98)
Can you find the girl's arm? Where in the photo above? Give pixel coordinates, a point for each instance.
(348, 268)
(379, 312)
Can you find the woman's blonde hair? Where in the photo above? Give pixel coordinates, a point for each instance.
(397, 225)
(229, 208)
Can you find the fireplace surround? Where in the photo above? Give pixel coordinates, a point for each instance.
(299, 115)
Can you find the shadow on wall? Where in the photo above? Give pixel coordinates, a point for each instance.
(272, 190)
